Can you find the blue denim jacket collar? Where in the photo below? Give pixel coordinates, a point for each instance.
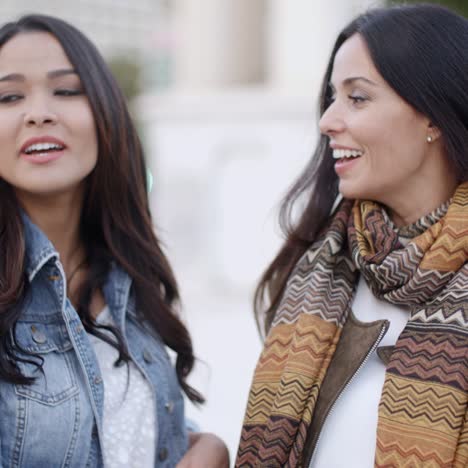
(39, 249)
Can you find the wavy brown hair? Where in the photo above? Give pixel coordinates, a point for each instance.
(420, 51)
(115, 223)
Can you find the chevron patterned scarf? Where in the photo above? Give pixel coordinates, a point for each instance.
(423, 408)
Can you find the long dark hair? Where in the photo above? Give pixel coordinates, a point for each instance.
(115, 221)
(420, 51)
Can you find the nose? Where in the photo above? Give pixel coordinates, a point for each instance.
(39, 114)
(332, 121)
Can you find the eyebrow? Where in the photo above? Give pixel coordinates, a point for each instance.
(12, 77)
(52, 74)
(61, 72)
(353, 79)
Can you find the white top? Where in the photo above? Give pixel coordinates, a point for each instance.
(129, 422)
(348, 437)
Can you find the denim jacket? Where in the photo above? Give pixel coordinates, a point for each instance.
(57, 421)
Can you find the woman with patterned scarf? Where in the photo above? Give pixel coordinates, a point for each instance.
(365, 307)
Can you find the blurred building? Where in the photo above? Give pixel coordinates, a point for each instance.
(221, 43)
(130, 31)
(234, 126)
(240, 101)
(114, 25)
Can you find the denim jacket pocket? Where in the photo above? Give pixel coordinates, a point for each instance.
(49, 347)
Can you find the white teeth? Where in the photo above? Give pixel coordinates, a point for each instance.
(42, 147)
(344, 153)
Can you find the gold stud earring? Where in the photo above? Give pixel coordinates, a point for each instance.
(429, 139)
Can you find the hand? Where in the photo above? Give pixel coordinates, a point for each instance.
(205, 451)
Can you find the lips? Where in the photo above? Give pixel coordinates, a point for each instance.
(345, 164)
(41, 151)
(43, 144)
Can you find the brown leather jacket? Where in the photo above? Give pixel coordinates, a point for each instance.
(357, 342)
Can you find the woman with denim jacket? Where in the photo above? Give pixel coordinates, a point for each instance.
(87, 297)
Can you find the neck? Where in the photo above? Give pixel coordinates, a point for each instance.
(417, 202)
(59, 218)
(433, 184)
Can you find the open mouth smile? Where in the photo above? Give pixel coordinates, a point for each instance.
(41, 150)
(345, 159)
(346, 154)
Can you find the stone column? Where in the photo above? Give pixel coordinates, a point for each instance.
(218, 43)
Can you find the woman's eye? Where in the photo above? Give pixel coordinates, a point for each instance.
(357, 99)
(7, 98)
(68, 92)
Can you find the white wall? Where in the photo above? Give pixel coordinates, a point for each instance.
(221, 166)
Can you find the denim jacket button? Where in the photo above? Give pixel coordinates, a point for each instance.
(147, 356)
(37, 335)
(163, 453)
(97, 380)
(169, 407)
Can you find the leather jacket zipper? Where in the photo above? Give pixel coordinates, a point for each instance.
(385, 326)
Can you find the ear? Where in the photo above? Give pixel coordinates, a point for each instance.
(433, 132)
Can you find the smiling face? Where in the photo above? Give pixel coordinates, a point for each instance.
(378, 140)
(48, 142)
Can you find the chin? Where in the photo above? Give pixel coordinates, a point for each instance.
(351, 190)
(49, 188)
(358, 190)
